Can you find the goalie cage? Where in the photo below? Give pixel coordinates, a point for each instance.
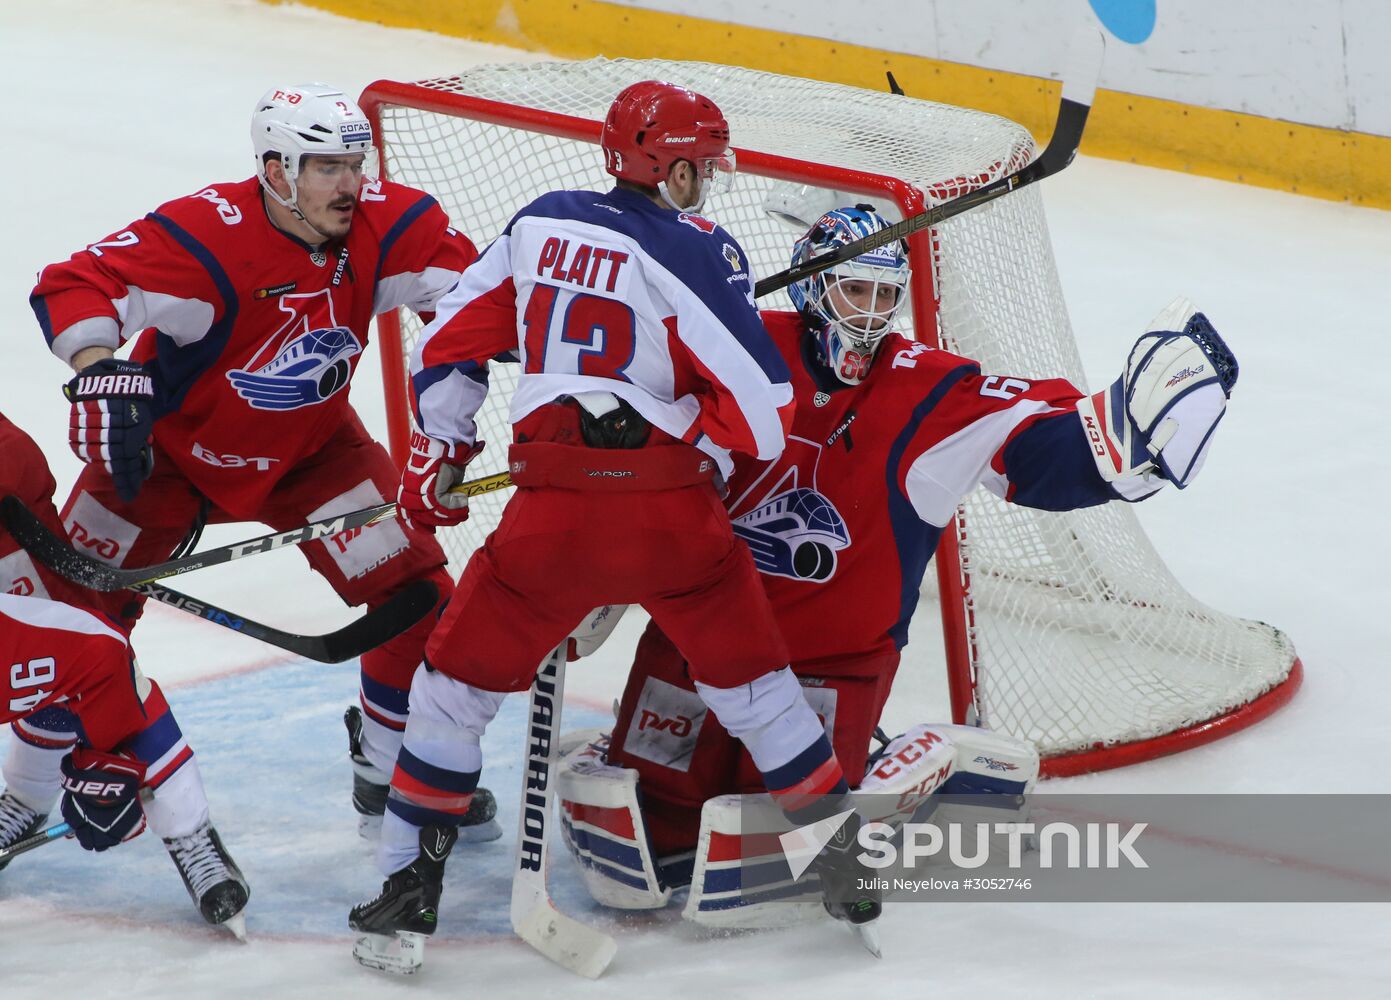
(1064, 629)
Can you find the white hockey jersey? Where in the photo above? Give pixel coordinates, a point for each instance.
(610, 292)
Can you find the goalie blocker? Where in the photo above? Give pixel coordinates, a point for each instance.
(732, 882)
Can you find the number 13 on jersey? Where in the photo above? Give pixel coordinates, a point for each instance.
(577, 333)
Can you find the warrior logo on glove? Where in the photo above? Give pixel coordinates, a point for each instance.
(112, 419)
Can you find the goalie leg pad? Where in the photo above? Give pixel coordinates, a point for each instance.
(989, 762)
(902, 776)
(604, 830)
(741, 878)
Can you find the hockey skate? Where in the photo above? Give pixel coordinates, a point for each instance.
(477, 826)
(17, 821)
(393, 927)
(212, 878)
(842, 880)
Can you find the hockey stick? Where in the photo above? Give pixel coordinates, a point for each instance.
(78, 567)
(564, 940)
(1079, 87)
(400, 611)
(55, 832)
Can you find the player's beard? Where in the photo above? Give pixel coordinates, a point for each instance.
(331, 221)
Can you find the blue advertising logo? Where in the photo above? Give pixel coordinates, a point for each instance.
(1129, 20)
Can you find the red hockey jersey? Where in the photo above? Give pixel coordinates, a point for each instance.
(252, 336)
(24, 473)
(873, 473)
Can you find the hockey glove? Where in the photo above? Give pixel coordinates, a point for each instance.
(100, 798)
(424, 501)
(1156, 421)
(112, 419)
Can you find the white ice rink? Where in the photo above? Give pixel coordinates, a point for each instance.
(117, 105)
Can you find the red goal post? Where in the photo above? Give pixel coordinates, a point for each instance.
(1065, 629)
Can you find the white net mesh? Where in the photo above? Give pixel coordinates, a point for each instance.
(1080, 634)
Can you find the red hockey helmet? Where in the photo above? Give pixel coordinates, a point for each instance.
(652, 124)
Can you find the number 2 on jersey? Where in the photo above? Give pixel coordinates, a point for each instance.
(596, 330)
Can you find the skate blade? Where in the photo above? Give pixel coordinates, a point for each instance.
(236, 925)
(868, 935)
(401, 953)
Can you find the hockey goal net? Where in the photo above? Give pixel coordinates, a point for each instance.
(1065, 629)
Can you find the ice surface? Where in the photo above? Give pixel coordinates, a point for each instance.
(114, 108)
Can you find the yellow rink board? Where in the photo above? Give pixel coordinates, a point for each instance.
(1323, 162)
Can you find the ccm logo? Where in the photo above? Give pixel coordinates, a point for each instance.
(95, 789)
(679, 726)
(917, 795)
(910, 754)
(1094, 435)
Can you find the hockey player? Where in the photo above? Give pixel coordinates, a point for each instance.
(889, 436)
(255, 299)
(71, 668)
(644, 368)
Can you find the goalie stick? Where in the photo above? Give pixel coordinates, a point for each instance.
(1079, 87)
(563, 939)
(80, 568)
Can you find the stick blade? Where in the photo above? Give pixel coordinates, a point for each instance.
(385, 622)
(583, 950)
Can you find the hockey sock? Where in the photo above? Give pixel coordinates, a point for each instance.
(177, 804)
(785, 739)
(41, 741)
(384, 708)
(437, 769)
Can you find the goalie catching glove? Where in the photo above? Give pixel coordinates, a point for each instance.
(1156, 421)
(100, 798)
(112, 419)
(424, 501)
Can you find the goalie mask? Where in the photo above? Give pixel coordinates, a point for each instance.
(850, 308)
(312, 119)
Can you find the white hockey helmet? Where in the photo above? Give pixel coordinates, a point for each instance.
(306, 120)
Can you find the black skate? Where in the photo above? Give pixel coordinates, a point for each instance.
(392, 928)
(477, 826)
(842, 885)
(212, 878)
(17, 821)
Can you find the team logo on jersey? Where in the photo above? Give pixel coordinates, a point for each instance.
(307, 361)
(732, 256)
(792, 529)
(697, 222)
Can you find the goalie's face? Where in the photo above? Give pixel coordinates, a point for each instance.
(863, 308)
(859, 310)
